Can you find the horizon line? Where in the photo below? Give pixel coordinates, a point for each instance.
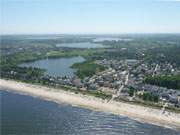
(128, 33)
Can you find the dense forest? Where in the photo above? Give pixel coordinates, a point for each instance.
(164, 53)
(172, 82)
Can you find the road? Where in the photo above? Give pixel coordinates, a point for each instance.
(122, 86)
(155, 70)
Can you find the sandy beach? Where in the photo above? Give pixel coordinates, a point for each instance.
(140, 113)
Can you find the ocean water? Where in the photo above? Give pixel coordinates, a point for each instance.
(26, 115)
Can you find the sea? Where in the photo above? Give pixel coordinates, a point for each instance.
(27, 115)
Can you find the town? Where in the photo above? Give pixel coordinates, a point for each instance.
(122, 81)
(134, 73)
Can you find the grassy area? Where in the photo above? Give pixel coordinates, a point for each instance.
(99, 94)
(55, 54)
(87, 69)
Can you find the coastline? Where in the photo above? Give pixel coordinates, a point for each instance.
(140, 113)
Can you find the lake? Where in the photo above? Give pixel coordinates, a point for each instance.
(56, 67)
(22, 114)
(80, 45)
(111, 39)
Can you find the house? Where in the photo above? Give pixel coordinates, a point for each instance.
(100, 83)
(173, 100)
(77, 83)
(93, 87)
(165, 96)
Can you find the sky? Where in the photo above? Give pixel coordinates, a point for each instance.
(89, 16)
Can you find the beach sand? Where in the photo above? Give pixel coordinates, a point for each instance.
(140, 113)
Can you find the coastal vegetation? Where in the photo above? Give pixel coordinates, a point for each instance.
(149, 97)
(87, 69)
(146, 103)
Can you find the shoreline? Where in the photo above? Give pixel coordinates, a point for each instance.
(136, 112)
